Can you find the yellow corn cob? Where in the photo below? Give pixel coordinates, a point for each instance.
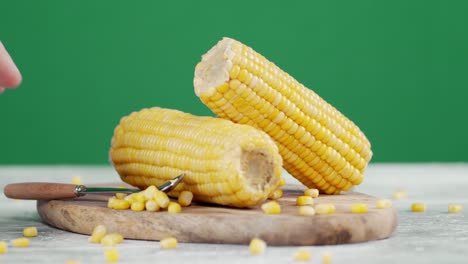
(319, 145)
(223, 162)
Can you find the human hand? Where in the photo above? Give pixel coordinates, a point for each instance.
(10, 77)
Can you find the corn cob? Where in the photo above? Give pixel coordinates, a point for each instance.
(223, 162)
(319, 145)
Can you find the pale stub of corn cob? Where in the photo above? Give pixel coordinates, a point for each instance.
(223, 162)
(319, 145)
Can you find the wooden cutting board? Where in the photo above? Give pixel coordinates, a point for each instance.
(204, 223)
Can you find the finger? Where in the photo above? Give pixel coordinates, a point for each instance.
(10, 76)
(1, 90)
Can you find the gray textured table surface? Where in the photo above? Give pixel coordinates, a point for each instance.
(431, 237)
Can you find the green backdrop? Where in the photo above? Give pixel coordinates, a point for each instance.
(396, 68)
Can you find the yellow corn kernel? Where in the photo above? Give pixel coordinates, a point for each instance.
(174, 208)
(76, 180)
(418, 207)
(130, 198)
(314, 193)
(138, 197)
(271, 208)
(304, 200)
(383, 203)
(151, 206)
(111, 255)
(327, 257)
(137, 206)
(3, 247)
(30, 232)
(302, 254)
(400, 194)
(154, 145)
(112, 239)
(162, 199)
(306, 210)
(185, 198)
(282, 182)
(111, 201)
(168, 243)
(276, 194)
(121, 196)
(118, 204)
(455, 208)
(72, 262)
(325, 208)
(98, 233)
(317, 142)
(257, 246)
(359, 208)
(149, 192)
(20, 242)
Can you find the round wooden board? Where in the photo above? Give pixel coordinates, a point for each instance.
(204, 223)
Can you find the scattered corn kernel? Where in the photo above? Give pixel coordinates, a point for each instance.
(418, 207)
(399, 195)
(152, 206)
(168, 243)
(162, 199)
(110, 202)
(120, 196)
(138, 197)
(3, 247)
(383, 203)
(302, 254)
(306, 210)
(271, 207)
(276, 194)
(359, 208)
(76, 180)
(282, 182)
(30, 232)
(122, 186)
(314, 193)
(304, 200)
(149, 192)
(72, 262)
(112, 239)
(118, 204)
(174, 208)
(185, 198)
(98, 233)
(325, 208)
(455, 208)
(327, 257)
(137, 206)
(20, 242)
(257, 246)
(111, 255)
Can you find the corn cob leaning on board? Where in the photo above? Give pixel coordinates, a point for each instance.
(224, 163)
(319, 145)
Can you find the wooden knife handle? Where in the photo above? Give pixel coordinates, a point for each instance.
(39, 191)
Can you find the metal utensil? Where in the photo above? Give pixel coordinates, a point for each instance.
(50, 191)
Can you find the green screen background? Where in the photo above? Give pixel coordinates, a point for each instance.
(398, 69)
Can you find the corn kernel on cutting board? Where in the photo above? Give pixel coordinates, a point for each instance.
(205, 223)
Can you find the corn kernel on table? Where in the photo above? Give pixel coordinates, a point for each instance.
(433, 236)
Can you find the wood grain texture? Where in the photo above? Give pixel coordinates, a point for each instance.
(204, 223)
